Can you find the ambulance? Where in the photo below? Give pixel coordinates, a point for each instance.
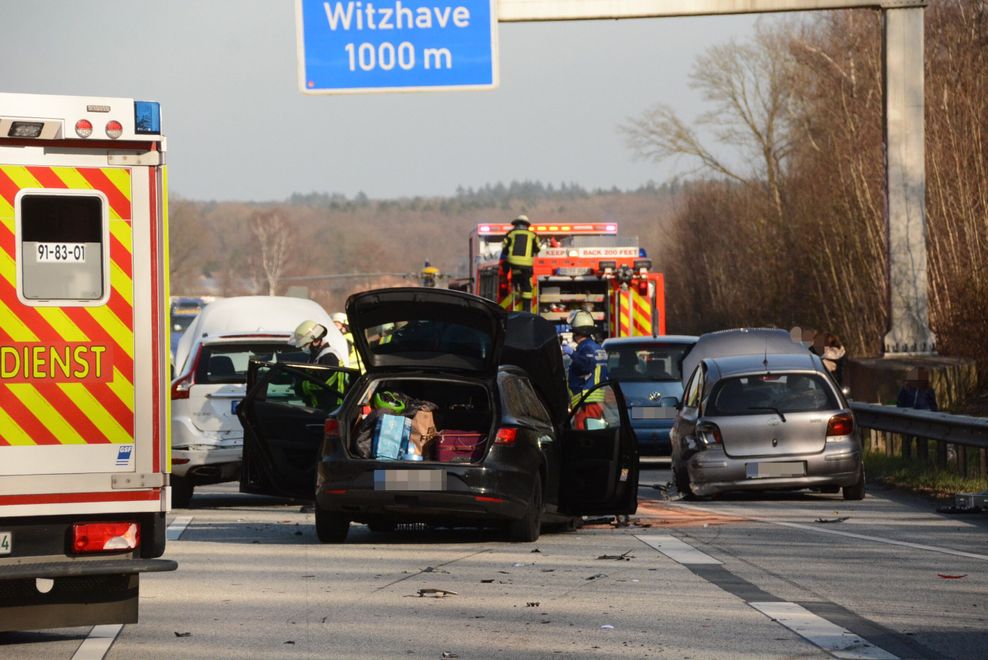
(83, 358)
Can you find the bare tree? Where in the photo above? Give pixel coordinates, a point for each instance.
(273, 234)
(749, 86)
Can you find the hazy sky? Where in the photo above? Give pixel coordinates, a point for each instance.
(238, 128)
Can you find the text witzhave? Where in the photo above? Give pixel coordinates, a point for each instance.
(359, 15)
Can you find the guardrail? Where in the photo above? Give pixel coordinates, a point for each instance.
(952, 433)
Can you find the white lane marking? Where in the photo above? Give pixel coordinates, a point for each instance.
(174, 531)
(98, 643)
(840, 642)
(878, 539)
(676, 549)
(823, 529)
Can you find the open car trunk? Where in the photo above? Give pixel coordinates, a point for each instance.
(430, 420)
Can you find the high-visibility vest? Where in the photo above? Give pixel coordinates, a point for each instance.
(354, 357)
(593, 381)
(336, 383)
(522, 245)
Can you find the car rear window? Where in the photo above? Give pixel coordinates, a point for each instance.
(785, 393)
(645, 362)
(429, 336)
(227, 363)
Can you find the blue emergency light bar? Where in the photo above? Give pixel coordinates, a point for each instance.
(147, 117)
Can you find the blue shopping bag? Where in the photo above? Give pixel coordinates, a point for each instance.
(391, 435)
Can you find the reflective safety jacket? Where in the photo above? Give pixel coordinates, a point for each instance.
(354, 357)
(587, 370)
(520, 246)
(317, 397)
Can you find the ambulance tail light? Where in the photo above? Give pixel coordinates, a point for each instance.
(606, 268)
(83, 128)
(114, 129)
(642, 266)
(105, 537)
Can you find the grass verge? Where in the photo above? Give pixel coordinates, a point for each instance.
(915, 475)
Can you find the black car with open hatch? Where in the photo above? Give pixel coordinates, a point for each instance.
(461, 418)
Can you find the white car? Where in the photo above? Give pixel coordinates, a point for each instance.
(211, 362)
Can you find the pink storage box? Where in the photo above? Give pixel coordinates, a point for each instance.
(459, 446)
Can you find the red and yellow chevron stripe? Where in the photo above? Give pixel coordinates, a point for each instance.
(641, 315)
(67, 373)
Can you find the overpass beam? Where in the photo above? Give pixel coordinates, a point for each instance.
(905, 177)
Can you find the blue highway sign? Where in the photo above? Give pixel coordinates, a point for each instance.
(348, 46)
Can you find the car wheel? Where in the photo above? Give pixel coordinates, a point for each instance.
(331, 527)
(527, 528)
(856, 491)
(681, 477)
(182, 488)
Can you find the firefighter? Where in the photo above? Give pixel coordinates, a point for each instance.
(342, 324)
(428, 275)
(588, 368)
(518, 249)
(310, 335)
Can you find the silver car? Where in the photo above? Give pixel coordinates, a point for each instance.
(765, 421)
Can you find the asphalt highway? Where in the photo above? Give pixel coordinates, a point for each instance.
(767, 576)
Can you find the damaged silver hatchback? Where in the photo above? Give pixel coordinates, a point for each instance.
(760, 412)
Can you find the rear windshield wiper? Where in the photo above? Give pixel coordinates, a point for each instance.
(773, 409)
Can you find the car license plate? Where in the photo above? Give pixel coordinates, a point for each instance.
(409, 479)
(779, 469)
(6, 543)
(653, 412)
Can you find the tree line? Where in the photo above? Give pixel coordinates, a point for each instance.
(781, 223)
(792, 230)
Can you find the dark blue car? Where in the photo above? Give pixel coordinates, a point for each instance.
(649, 371)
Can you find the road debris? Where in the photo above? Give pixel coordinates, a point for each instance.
(951, 577)
(627, 556)
(436, 593)
(183, 634)
(597, 576)
(838, 519)
(449, 654)
(533, 603)
(607, 626)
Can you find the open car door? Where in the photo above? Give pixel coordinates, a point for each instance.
(599, 456)
(283, 415)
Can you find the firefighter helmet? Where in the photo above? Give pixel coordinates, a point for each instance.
(521, 221)
(306, 333)
(581, 322)
(340, 317)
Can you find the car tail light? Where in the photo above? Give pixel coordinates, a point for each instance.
(104, 537)
(842, 424)
(83, 128)
(332, 427)
(114, 129)
(506, 436)
(181, 387)
(180, 461)
(710, 433)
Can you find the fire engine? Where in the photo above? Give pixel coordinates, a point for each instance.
(582, 265)
(83, 358)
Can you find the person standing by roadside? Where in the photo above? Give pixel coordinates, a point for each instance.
(342, 324)
(587, 369)
(311, 336)
(518, 249)
(834, 356)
